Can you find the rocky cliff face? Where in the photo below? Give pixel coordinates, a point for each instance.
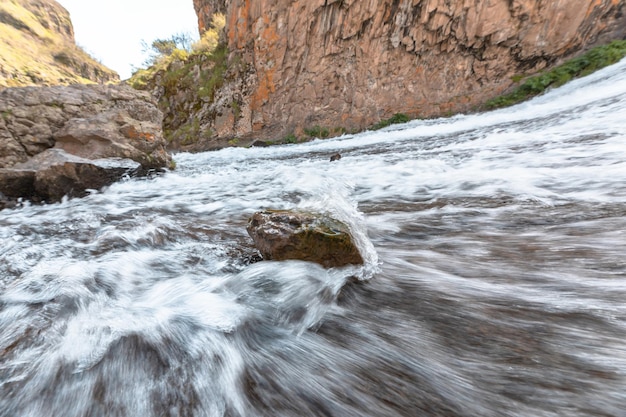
(37, 47)
(329, 66)
(90, 121)
(352, 63)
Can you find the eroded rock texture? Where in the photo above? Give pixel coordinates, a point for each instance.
(348, 63)
(91, 121)
(64, 140)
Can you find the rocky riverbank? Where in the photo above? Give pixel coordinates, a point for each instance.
(92, 134)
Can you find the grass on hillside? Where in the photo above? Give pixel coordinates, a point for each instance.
(18, 17)
(595, 59)
(31, 53)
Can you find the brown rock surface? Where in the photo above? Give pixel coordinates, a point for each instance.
(15, 184)
(114, 134)
(281, 235)
(353, 63)
(63, 140)
(53, 174)
(61, 174)
(91, 121)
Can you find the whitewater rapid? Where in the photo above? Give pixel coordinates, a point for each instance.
(494, 282)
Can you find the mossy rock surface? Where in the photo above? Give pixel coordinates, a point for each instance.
(284, 234)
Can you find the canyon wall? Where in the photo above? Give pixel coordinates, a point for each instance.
(349, 64)
(287, 69)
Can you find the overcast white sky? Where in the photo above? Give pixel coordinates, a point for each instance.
(112, 31)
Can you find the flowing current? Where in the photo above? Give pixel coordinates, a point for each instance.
(494, 283)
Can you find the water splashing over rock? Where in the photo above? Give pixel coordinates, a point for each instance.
(282, 234)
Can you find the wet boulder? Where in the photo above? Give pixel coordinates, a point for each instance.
(54, 173)
(16, 184)
(284, 234)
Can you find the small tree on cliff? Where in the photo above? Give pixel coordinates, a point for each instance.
(161, 48)
(180, 45)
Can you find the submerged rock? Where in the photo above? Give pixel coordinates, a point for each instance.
(335, 157)
(283, 234)
(260, 144)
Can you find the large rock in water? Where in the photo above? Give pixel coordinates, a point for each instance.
(282, 234)
(53, 174)
(59, 174)
(63, 140)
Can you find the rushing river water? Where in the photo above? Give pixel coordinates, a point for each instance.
(495, 282)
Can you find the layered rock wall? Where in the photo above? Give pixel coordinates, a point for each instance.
(352, 63)
(63, 140)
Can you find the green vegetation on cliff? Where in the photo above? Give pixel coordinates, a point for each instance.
(595, 59)
(207, 94)
(170, 57)
(395, 119)
(37, 47)
(196, 70)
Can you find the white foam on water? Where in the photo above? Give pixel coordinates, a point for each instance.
(518, 207)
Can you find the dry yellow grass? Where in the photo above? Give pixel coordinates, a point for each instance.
(34, 52)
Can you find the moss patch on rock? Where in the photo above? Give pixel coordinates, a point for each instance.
(284, 234)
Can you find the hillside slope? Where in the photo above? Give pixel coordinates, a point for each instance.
(37, 47)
